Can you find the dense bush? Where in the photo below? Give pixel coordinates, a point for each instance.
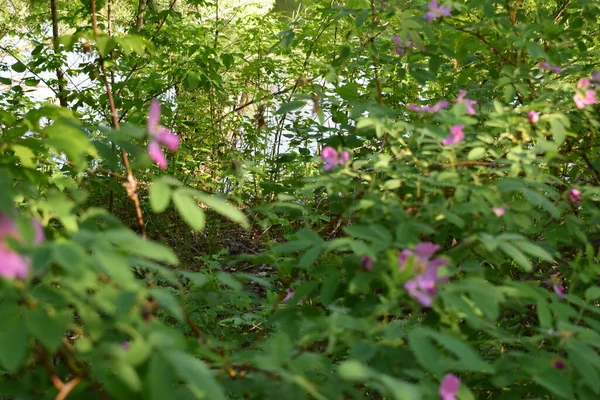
(418, 183)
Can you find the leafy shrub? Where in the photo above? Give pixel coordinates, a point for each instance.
(443, 246)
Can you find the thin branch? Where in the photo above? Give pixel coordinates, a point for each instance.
(562, 8)
(131, 184)
(466, 163)
(591, 166)
(100, 171)
(258, 100)
(64, 392)
(483, 40)
(513, 16)
(10, 53)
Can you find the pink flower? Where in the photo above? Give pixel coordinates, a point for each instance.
(584, 96)
(288, 296)
(159, 135)
(559, 290)
(332, 158)
(559, 364)
(456, 135)
(499, 211)
(574, 196)
(440, 105)
(581, 101)
(12, 264)
(549, 67)
(367, 263)
(436, 11)
(125, 345)
(422, 287)
(469, 104)
(533, 117)
(583, 83)
(403, 45)
(449, 387)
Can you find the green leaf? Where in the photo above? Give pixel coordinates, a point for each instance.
(131, 43)
(188, 209)
(542, 201)
(534, 250)
(159, 381)
(425, 352)
(290, 106)
(516, 255)
(71, 256)
(592, 293)
(14, 338)
(586, 361)
(555, 381)
(67, 136)
(115, 266)
(105, 44)
(225, 209)
(400, 390)
(128, 375)
(229, 280)
(354, 371)
(166, 299)
(544, 315)
(18, 67)
(49, 327)
(26, 156)
(134, 244)
(160, 195)
(195, 373)
(476, 153)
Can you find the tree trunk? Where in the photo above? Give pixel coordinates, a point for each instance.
(139, 21)
(60, 76)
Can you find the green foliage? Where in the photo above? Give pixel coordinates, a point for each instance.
(423, 254)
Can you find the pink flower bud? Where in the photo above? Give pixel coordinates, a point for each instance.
(533, 117)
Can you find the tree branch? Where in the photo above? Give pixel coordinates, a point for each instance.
(60, 76)
(131, 184)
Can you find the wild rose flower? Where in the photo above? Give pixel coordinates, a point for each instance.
(12, 264)
(584, 96)
(159, 135)
(456, 135)
(422, 287)
(367, 263)
(440, 105)
(574, 196)
(557, 287)
(549, 67)
(436, 11)
(499, 211)
(533, 117)
(449, 387)
(559, 290)
(332, 158)
(401, 46)
(469, 104)
(288, 296)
